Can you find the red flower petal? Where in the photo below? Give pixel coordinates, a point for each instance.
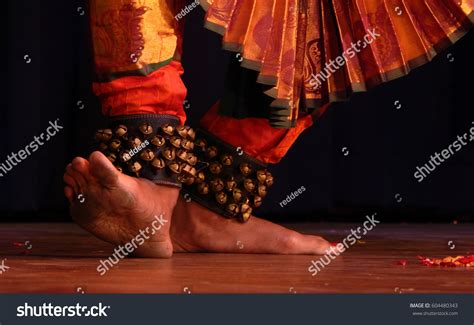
(448, 261)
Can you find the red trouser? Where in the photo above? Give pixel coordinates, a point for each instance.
(135, 51)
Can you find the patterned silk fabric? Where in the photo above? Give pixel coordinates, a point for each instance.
(136, 47)
(292, 42)
(133, 37)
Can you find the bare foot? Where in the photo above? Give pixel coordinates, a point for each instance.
(117, 207)
(197, 229)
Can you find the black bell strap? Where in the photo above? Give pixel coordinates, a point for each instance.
(228, 181)
(151, 146)
(211, 172)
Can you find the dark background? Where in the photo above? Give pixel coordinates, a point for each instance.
(385, 144)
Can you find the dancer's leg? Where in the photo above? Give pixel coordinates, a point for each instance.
(134, 50)
(118, 206)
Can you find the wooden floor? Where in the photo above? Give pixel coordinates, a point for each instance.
(61, 258)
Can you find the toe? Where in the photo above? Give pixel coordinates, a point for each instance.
(81, 166)
(312, 244)
(69, 193)
(80, 181)
(71, 182)
(102, 169)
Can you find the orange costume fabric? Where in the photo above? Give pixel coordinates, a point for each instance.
(321, 51)
(308, 52)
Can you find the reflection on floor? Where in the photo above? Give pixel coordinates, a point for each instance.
(49, 258)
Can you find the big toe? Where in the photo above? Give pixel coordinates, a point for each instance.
(103, 170)
(81, 165)
(320, 245)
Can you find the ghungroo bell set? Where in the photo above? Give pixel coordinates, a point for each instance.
(154, 147)
(211, 172)
(232, 183)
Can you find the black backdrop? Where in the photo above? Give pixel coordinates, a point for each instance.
(384, 144)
